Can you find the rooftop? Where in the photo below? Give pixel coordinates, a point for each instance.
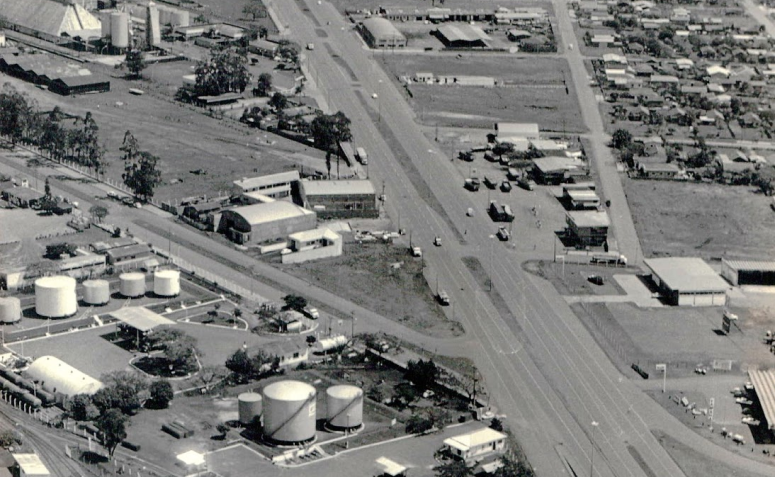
(47, 16)
(57, 376)
(478, 438)
(582, 194)
(764, 385)
(382, 28)
(267, 180)
(764, 266)
(31, 464)
(314, 234)
(589, 218)
(507, 129)
(556, 163)
(338, 187)
(139, 318)
(687, 274)
(258, 214)
(463, 32)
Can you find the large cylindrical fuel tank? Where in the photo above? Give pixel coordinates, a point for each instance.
(289, 413)
(119, 29)
(55, 297)
(166, 283)
(96, 292)
(344, 407)
(132, 284)
(10, 310)
(250, 405)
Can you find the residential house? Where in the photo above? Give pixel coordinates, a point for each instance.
(677, 116)
(659, 171)
(750, 120)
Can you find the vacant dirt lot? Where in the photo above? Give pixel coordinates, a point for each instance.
(699, 219)
(365, 276)
(535, 92)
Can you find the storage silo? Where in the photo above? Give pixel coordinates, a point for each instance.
(119, 29)
(132, 284)
(180, 18)
(166, 283)
(105, 24)
(289, 413)
(96, 292)
(152, 28)
(344, 407)
(10, 310)
(55, 297)
(250, 405)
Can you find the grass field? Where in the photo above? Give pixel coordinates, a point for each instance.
(536, 91)
(705, 220)
(364, 275)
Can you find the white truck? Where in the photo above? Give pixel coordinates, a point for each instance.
(362, 156)
(612, 258)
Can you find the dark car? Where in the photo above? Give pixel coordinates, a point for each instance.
(596, 279)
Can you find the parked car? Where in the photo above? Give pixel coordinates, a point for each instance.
(596, 279)
(743, 401)
(505, 186)
(470, 212)
(416, 252)
(503, 234)
(437, 241)
(526, 183)
(443, 298)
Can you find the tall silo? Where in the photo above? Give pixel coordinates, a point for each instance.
(166, 283)
(105, 23)
(132, 284)
(119, 29)
(152, 28)
(289, 413)
(344, 407)
(96, 292)
(55, 297)
(250, 406)
(10, 310)
(181, 18)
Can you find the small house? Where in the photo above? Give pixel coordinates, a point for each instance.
(475, 445)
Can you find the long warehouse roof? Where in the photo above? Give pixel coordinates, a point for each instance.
(764, 385)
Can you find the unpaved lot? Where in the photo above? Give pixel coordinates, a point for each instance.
(701, 219)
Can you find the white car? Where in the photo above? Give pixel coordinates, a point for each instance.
(416, 252)
(750, 421)
(743, 401)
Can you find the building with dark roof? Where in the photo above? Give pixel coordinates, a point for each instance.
(748, 272)
(127, 255)
(80, 85)
(380, 33)
(462, 36)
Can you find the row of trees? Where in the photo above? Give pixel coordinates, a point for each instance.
(223, 72)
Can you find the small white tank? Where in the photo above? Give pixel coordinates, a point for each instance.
(55, 297)
(119, 29)
(289, 412)
(344, 407)
(10, 310)
(166, 283)
(96, 292)
(250, 406)
(132, 285)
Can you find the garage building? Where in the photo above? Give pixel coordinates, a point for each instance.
(747, 272)
(764, 386)
(380, 33)
(341, 199)
(462, 36)
(687, 281)
(254, 224)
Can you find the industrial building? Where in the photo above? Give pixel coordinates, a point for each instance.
(53, 73)
(276, 186)
(475, 445)
(462, 36)
(312, 245)
(687, 281)
(748, 272)
(29, 465)
(588, 227)
(553, 170)
(258, 223)
(581, 198)
(516, 130)
(49, 19)
(341, 199)
(123, 256)
(23, 197)
(80, 85)
(764, 387)
(381, 33)
(61, 379)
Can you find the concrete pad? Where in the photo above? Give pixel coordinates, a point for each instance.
(637, 291)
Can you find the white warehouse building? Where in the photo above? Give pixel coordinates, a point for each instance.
(686, 281)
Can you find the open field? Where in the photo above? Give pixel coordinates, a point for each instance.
(181, 135)
(403, 294)
(571, 279)
(700, 219)
(536, 91)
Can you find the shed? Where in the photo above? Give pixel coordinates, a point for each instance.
(764, 386)
(688, 281)
(258, 223)
(380, 33)
(30, 465)
(476, 444)
(748, 272)
(462, 36)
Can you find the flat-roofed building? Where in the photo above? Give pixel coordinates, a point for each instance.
(557, 169)
(381, 33)
(582, 199)
(253, 224)
(476, 444)
(687, 281)
(29, 465)
(313, 245)
(520, 130)
(588, 227)
(341, 198)
(23, 197)
(462, 36)
(276, 186)
(764, 386)
(131, 254)
(748, 272)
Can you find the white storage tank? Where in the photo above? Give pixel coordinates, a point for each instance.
(180, 18)
(132, 284)
(289, 413)
(105, 24)
(55, 297)
(119, 29)
(96, 292)
(250, 405)
(10, 310)
(344, 407)
(166, 283)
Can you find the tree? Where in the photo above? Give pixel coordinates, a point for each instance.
(161, 394)
(121, 398)
(513, 467)
(278, 101)
(112, 427)
(210, 375)
(329, 130)
(134, 381)
(182, 353)
(141, 173)
(289, 51)
(422, 373)
(496, 424)
(56, 250)
(10, 438)
(135, 62)
(454, 468)
(263, 85)
(223, 72)
(254, 9)
(262, 31)
(621, 139)
(81, 408)
(295, 302)
(13, 112)
(98, 212)
(418, 424)
(240, 363)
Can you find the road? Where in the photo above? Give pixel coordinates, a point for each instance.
(759, 13)
(544, 369)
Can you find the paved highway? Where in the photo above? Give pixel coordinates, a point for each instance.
(544, 369)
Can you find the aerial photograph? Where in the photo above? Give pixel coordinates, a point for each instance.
(381, 238)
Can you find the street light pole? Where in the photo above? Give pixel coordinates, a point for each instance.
(492, 239)
(592, 458)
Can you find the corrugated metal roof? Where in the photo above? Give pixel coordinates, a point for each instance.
(463, 32)
(764, 385)
(48, 17)
(54, 375)
(257, 214)
(338, 187)
(481, 437)
(381, 28)
(269, 179)
(140, 318)
(687, 274)
(762, 266)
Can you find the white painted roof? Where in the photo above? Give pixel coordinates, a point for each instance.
(257, 214)
(338, 187)
(31, 464)
(54, 375)
(140, 318)
(687, 274)
(191, 458)
(764, 385)
(478, 438)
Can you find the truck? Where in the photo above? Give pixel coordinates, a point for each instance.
(609, 258)
(443, 298)
(500, 213)
(472, 184)
(512, 174)
(362, 156)
(489, 183)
